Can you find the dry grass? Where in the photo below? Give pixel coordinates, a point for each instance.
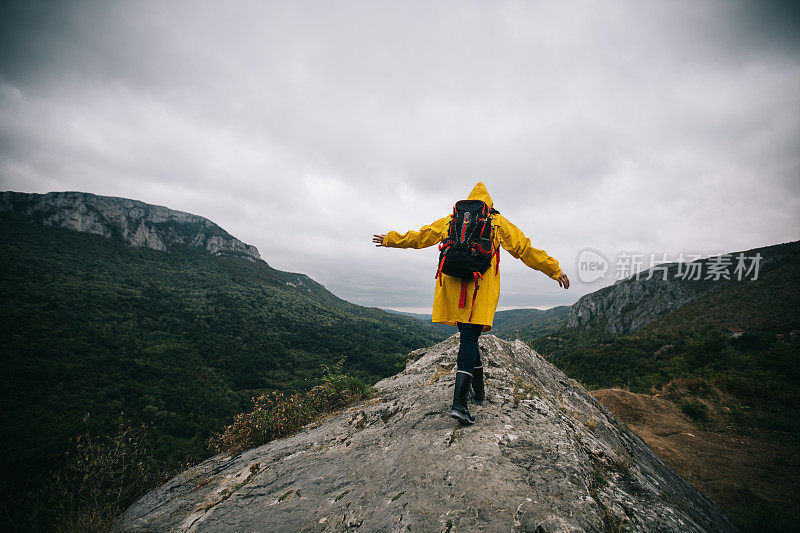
(753, 479)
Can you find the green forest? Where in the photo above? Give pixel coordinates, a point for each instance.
(180, 342)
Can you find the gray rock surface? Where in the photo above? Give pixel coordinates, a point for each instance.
(132, 221)
(544, 456)
(632, 303)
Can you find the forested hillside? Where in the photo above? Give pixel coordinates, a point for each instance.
(179, 340)
(694, 339)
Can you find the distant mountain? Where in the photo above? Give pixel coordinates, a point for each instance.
(512, 323)
(444, 328)
(132, 221)
(740, 336)
(633, 303)
(770, 303)
(418, 316)
(643, 333)
(162, 316)
(527, 323)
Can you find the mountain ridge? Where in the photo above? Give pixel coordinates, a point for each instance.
(132, 221)
(632, 303)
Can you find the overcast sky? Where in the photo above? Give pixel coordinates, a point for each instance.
(304, 127)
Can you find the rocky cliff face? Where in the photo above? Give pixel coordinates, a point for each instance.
(134, 222)
(632, 303)
(543, 456)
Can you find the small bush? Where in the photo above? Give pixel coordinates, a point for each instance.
(695, 411)
(98, 479)
(279, 415)
(338, 390)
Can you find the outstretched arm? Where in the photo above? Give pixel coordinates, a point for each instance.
(426, 236)
(519, 246)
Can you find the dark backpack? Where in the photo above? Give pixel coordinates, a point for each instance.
(467, 251)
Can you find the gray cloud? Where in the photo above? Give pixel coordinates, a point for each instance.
(648, 126)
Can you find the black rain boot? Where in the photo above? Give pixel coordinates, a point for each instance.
(478, 392)
(459, 410)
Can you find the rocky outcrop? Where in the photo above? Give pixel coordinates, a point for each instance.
(543, 456)
(632, 303)
(132, 221)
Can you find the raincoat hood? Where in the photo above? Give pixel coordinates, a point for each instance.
(479, 192)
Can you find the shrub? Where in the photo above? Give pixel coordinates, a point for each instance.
(279, 415)
(338, 390)
(695, 411)
(99, 478)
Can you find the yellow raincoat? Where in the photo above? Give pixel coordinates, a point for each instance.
(446, 296)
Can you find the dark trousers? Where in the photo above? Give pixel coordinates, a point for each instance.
(468, 355)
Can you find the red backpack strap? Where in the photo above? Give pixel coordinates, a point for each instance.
(496, 252)
(439, 270)
(462, 299)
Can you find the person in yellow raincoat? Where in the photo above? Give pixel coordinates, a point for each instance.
(476, 318)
